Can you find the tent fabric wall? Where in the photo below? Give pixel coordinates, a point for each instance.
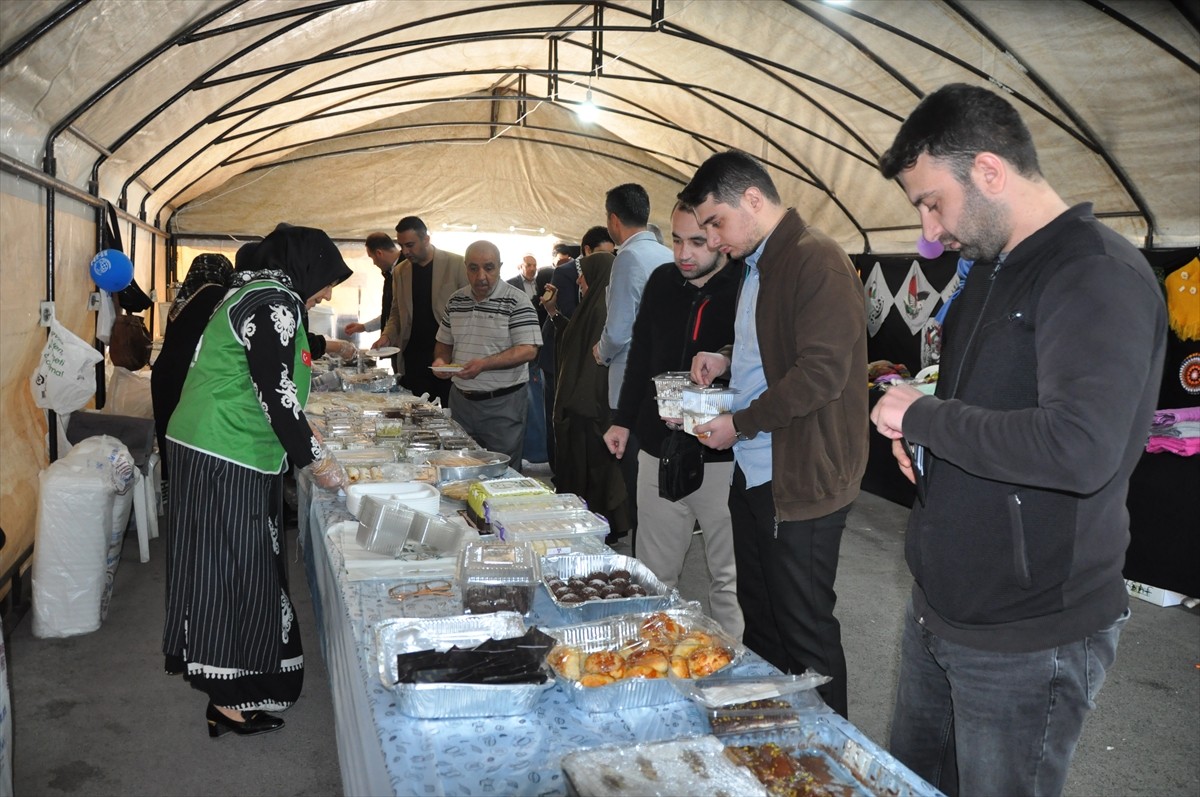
(222, 117)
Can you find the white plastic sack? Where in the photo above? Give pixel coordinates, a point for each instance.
(129, 394)
(75, 522)
(65, 378)
(106, 317)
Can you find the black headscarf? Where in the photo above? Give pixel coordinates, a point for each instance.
(207, 269)
(305, 256)
(581, 380)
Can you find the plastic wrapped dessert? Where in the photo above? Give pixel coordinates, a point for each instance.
(497, 577)
(683, 766)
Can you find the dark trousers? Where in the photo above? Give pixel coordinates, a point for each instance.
(785, 586)
(629, 472)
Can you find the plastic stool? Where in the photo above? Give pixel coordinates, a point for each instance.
(147, 495)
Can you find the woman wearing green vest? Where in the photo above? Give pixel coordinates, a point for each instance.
(239, 421)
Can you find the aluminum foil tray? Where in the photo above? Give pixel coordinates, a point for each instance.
(452, 701)
(580, 564)
(859, 765)
(694, 765)
(609, 634)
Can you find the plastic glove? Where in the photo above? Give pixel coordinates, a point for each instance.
(327, 473)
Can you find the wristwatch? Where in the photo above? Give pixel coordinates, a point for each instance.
(740, 435)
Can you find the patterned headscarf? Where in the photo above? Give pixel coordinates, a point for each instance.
(207, 269)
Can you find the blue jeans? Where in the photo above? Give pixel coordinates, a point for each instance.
(977, 722)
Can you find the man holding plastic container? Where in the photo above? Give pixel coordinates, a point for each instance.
(687, 306)
(799, 427)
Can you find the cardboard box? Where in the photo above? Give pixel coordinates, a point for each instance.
(1155, 595)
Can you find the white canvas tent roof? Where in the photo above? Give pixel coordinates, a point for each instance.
(220, 116)
(223, 117)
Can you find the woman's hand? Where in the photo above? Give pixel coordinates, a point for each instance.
(549, 299)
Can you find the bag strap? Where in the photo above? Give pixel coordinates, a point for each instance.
(110, 228)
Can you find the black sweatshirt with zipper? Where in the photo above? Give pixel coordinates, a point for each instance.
(675, 321)
(1049, 377)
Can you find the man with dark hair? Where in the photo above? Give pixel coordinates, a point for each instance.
(1021, 459)
(421, 285)
(565, 293)
(628, 209)
(490, 330)
(799, 424)
(385, 255)
(687, 306)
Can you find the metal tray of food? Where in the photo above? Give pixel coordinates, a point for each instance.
(607, 568)
(467, 463)
(632, 637)
(446, 701)
(689, 765)
(826, 752)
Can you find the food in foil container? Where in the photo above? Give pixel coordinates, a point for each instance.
(591, 586)
(681, 766)
(662, 645)
(452, 700)
(515, 660)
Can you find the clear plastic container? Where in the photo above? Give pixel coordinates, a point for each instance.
(513, 506)
(497, 577)
(702, 404)
(556, 525)
(494, 488)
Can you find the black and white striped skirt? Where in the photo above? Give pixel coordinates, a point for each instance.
(229, 615)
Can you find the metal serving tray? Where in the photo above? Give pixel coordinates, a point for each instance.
(580, 564)
(853, 760)
(452, 701)
(609, 634)
(491, 464)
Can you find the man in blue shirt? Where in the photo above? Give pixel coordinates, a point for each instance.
(638, 254)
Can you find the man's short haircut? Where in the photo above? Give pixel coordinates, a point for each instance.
(594, 237)
(630, 203)
(956, 123)
(381, 242)
(726, 176)
(412, 223)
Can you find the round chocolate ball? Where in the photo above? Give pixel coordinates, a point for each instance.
(570, 597)
(636, 591)
(599, 575)
(619, 574)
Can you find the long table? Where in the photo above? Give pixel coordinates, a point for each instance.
(381, 751)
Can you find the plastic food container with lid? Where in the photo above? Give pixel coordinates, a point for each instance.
(497, 577)
(493, 488)
(552, 525)
(702, 404)
(668, 391)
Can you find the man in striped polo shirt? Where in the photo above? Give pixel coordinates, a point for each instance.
(488, 333)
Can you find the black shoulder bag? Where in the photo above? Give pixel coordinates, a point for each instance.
(681, 458)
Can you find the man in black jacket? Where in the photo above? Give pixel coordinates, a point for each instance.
(1049, 378)
(687, 306)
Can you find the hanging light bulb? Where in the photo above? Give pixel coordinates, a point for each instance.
(588, 111)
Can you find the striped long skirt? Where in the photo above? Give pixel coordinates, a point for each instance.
(229, 616)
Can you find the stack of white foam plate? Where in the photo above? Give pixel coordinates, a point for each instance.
(418, 495)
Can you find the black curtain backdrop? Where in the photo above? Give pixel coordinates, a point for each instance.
(1165, 542)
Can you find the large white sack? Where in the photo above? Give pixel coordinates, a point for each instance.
(74, 533)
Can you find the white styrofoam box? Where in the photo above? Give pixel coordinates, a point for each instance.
(1155, 595)
(420, 496)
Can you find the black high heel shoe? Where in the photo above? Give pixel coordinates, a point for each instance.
(252, 724)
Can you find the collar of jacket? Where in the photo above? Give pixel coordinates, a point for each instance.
(783, 237)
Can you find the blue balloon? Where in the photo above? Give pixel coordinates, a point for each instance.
(112, 270)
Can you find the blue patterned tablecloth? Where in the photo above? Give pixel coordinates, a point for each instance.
(384, 751)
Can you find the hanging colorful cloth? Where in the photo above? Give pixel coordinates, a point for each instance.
(1183, 300)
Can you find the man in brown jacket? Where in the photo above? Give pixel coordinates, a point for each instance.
(799, 427)
(421, 285)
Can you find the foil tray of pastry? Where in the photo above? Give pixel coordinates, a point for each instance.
(452, 700)
(691, 765)
(629, 661)
(587, 587)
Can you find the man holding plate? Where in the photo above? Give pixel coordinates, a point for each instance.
(487, 336)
